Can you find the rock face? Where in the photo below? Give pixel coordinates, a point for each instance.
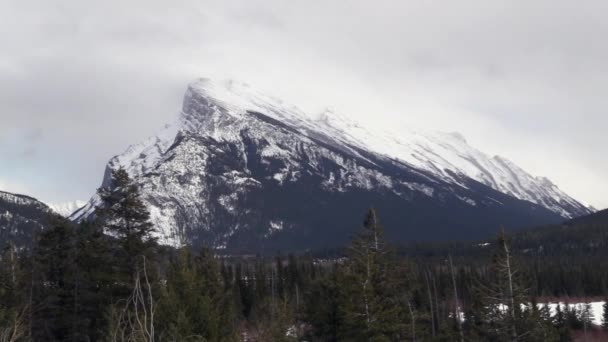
(20, 217)
(242, 171)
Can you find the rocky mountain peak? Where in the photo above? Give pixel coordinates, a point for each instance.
(241, 169)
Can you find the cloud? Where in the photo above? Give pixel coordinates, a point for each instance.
(523, 79)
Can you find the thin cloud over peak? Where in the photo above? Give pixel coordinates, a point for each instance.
(523, 79)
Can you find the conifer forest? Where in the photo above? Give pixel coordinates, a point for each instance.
(108, 280)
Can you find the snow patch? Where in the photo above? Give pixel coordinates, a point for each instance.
(67, 208)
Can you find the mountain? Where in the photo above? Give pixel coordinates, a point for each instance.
(66, 209)
(20, 217)
(584, 237)
(243, 171)
(597, 218)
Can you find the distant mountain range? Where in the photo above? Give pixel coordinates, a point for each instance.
(66, 209)
(243, 171)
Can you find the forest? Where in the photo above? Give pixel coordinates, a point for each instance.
(108, 280)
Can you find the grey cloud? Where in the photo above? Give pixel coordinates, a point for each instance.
(523, 79)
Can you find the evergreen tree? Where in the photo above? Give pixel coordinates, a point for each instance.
(586, 317)
(124, 215)
(93, 282)
(561, 324)
(605, 314)
(503, 299)
(194, 305)
(71, 281)
(322, 308)
(55, 276)
(134, 288)
(537, 323)
(573, 318)
(475, 320)
(372, 300)
(14, 305)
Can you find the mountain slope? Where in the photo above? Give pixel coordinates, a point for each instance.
(448, 156)
(599, 218)
(20, 217)
(244, 171)
(66, 209)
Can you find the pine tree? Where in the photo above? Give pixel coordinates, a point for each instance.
(537, 324)
(194, 304)
(124, 215)
(573, 319)
(93, 282)
(605, 314)
(65, 285)
(14, 307)
(503, 299)
(322, 308)
(372, 298)
(586, 317)
(560, 323)
(134, 289)
(475, 320)
(54, 283)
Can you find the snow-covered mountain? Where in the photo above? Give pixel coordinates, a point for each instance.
(66, 209)
(20, 217)
(242, 170)
(449, 156)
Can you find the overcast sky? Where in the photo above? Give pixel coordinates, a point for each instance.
(81, 80)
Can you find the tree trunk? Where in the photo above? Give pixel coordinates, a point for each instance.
(428, 287)
(437, 312)
(413, 315)
(511, 294)
(456, 302)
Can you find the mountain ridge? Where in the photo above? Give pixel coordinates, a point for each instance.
(21, 217)
(231, 144)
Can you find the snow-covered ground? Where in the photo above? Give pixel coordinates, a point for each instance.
(597, 309)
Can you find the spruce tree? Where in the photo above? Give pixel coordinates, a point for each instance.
(65, 286)
(586, 317)
(560, 323)
(55, 273)
(14, 307)
(322, 308)
(503, 298)
(194, 304)
(537, 324)
(93, 284)
(605, 314)
(573, 318)
(124, 215)
(372, 300)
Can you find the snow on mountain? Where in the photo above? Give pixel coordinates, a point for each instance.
(20, 217)
(444, 154)
(232, 143)
(22, 200)
(66, 209)
(448, 155)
